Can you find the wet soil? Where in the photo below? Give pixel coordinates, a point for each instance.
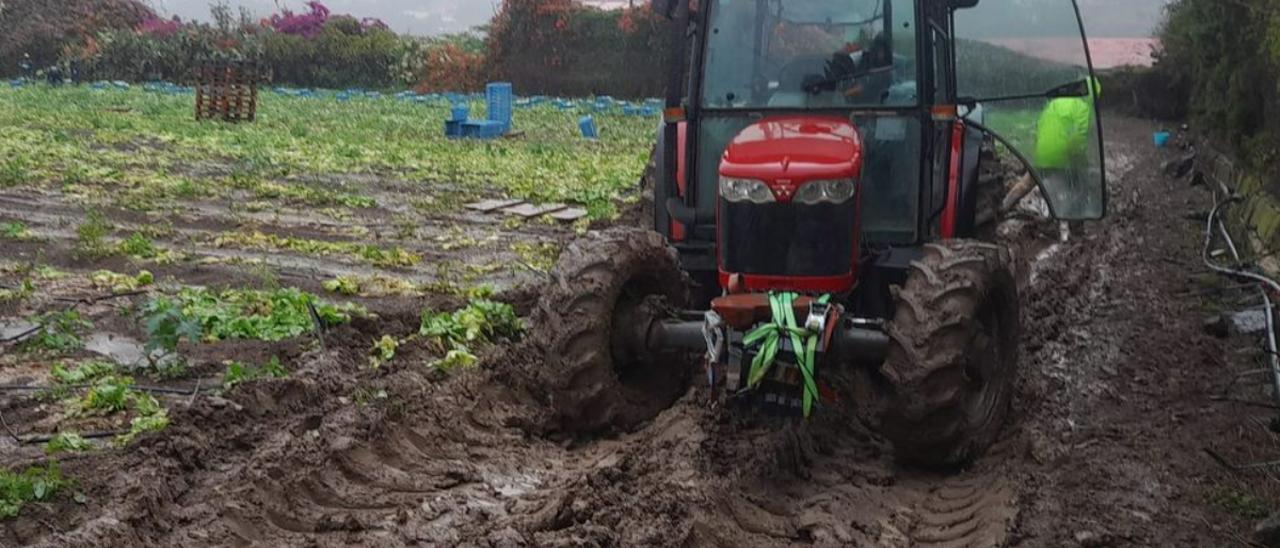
(1114, 408)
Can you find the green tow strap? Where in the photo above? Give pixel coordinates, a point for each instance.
(803, 342)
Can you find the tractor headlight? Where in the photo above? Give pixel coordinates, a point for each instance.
(836, 191)
(745, 190)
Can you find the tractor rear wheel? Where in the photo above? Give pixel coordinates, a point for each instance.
(948, 380)
(590, 325)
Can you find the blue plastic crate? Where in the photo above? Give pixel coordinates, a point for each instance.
(483, 129)
(500, 100)
(459, 113)
(588, 126)
(453, 129)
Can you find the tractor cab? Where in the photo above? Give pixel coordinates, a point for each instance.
(820, 176)
(922, 84)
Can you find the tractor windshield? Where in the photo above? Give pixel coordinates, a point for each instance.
(808, 54)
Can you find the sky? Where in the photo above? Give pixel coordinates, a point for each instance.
(1104, 18)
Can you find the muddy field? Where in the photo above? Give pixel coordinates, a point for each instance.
(1121, 394)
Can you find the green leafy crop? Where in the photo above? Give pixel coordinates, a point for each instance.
(108, 395)
(143, 424)
(237, 372)
(35, 484)
(91, 236)
(480, 322)
(383, 351)
(67, 442)
(121, 283)
(138, 245)
(301, 142)
(84, 373)
(22, 292)
(14, 230)
(205, 315)
(58, 332)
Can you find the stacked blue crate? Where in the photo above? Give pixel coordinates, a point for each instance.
(499, 97)
(500, 102)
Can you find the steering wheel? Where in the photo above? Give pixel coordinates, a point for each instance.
(803, 70)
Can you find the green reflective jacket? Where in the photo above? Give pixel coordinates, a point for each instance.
(1062, 134)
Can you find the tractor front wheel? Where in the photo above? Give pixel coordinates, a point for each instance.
(948, 380)
(590, 326)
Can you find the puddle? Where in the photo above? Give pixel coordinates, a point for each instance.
(1248, 322)
(9, 330)
(514, 486)
(120, 349)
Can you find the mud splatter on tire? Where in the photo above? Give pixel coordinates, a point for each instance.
(596, 289)
(953, 354)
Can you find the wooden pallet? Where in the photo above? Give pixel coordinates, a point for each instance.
(227, 91)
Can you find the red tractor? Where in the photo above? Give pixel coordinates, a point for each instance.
(817, 184)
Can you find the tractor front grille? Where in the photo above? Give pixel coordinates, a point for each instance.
(787, 239)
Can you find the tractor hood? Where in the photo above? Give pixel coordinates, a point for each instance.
(788, 151)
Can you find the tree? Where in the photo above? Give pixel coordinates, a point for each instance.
(42, 29)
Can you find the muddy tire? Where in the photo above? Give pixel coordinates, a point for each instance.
(948, 379)
(606, 286)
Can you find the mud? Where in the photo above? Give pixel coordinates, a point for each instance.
(1111, 415)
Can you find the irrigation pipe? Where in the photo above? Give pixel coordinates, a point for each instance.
(1264, 283)
(151, 389)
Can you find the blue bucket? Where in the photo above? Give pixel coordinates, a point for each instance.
(1161, 138)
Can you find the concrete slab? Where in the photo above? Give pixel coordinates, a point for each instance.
(529, 211)
(487, 206)
(569, 215)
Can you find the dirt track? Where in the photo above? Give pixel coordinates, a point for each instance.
(1111, 417)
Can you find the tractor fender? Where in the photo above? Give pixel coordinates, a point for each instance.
(970, 160)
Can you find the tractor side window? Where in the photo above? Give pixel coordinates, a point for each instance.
(1009, 55)
(810, 54)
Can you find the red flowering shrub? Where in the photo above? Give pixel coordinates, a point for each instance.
(448, 67)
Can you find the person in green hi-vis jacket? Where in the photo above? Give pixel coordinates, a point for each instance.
(1062, 154)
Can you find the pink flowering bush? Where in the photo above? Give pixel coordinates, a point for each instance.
(163, 28)
(307, 25)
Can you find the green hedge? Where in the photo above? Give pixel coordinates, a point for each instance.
(559, 47)
(1225, 56)
(42, 29)
(340, 56)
